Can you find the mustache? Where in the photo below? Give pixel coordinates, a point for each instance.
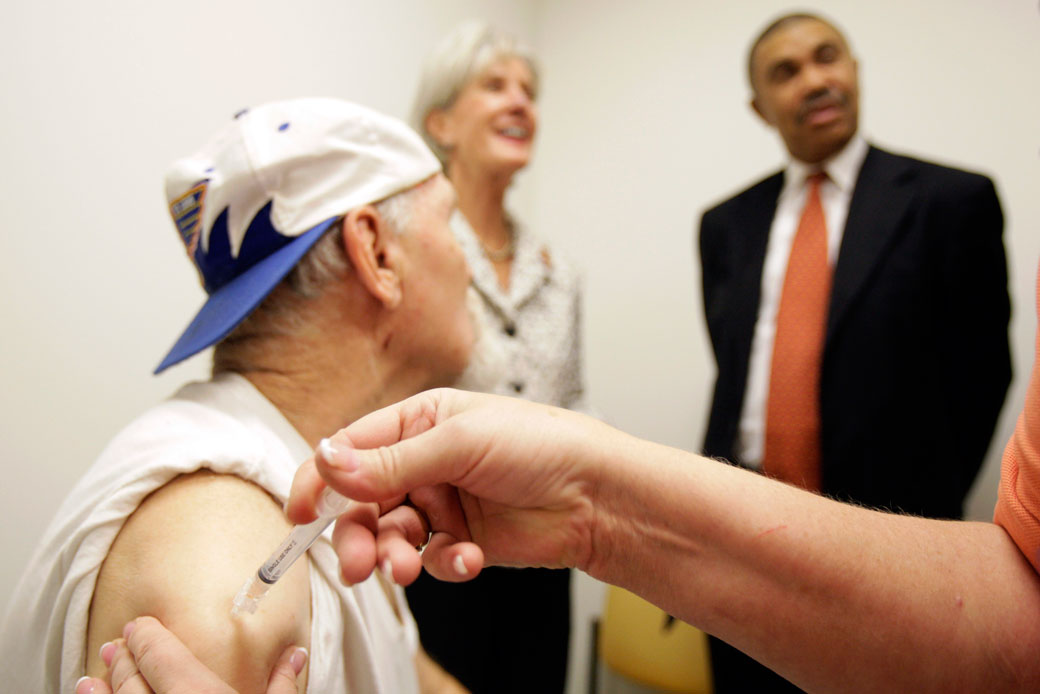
(822, 98)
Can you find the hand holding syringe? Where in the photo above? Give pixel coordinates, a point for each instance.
(329, 507)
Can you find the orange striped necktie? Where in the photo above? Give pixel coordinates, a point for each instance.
(792, 445)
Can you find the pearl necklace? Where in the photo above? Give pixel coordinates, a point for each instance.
(506, 252)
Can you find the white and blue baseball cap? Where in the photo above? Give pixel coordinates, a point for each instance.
(264, 189)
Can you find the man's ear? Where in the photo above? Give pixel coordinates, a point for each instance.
(756, 106)
(374, 252)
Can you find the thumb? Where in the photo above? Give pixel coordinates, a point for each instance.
(440, 454)
(286, 670)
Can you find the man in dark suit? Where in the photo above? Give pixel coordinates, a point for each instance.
(911, 364)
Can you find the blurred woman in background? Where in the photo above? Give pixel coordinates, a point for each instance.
(506, 631)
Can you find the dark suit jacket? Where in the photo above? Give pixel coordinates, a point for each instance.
(916, 361)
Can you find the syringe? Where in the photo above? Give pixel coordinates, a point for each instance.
(330, 505)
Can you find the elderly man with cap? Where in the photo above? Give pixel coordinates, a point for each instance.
(320, 231)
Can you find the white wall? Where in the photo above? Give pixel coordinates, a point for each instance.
(644, 125)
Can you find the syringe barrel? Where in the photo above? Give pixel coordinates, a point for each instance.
(292, 548)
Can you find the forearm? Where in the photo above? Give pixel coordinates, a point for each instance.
(834, 597)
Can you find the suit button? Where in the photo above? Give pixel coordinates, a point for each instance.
(518, 387)
(509, 329)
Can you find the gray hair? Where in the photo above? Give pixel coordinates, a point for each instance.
(327, 260)
(457, 59)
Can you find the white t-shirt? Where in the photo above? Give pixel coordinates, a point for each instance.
(357, 643)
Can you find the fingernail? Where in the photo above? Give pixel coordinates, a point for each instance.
(297, 660)
(129, 629)
(388, 570)
(85, 685)
(107, 652)
(460, 566)
(338, 456)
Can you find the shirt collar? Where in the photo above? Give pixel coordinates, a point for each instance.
(841, 169)
(529, 270)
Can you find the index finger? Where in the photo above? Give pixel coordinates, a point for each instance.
(307, 486)
(380, 429)
(400, 421)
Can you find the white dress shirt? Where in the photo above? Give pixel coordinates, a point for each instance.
(835, 193)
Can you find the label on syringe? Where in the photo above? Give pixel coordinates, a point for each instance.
(269, 572)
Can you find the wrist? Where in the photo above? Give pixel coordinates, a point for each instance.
(624, 505)
(656, 518)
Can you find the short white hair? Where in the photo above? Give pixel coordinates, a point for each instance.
(455, 61)
(326, 261)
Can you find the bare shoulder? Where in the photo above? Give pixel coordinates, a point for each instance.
(182, 556)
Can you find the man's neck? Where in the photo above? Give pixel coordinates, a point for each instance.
(842, 167)
(333, 374)
(821, 162)
(314, 401)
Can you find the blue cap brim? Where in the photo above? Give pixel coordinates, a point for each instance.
(232, 303)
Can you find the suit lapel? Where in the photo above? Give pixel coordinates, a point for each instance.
(884, 190)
